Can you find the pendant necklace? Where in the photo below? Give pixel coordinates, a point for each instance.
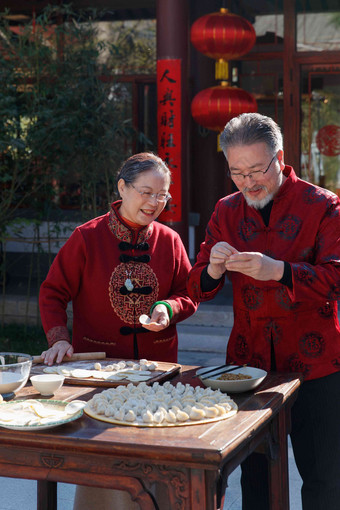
(128, 283)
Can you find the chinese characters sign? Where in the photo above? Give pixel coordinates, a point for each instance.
(169, 126)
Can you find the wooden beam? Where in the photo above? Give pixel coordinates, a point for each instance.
(28, 6)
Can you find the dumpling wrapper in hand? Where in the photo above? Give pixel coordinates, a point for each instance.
(144, 319)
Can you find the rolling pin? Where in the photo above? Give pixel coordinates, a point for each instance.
(78, 356)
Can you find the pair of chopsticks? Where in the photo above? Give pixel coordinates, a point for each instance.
(223, 369)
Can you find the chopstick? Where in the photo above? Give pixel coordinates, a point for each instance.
(213, 370)
(222, 372)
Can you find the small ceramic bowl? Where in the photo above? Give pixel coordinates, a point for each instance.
(47, 384)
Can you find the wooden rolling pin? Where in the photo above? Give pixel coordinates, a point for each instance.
(78, 356)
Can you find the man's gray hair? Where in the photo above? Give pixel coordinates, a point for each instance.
(250, 128)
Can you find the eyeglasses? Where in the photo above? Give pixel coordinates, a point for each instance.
(253, 175)
(147, 195)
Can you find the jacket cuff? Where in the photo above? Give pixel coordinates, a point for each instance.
(57, 334)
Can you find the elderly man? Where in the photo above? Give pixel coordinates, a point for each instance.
(278, 240)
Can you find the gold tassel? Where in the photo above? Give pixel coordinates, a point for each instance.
(221, 69)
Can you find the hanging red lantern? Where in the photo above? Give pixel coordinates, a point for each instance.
(222, 36)
(215, 106)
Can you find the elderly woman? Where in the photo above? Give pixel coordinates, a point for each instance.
(114, 269)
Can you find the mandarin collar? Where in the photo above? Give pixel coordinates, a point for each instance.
(122, 231)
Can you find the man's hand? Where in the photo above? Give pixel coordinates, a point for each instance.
(256, 265)
(219, 255)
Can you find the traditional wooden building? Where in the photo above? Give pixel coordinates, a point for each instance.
(292, 71)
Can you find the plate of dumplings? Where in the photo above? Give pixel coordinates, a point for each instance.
(156, 405)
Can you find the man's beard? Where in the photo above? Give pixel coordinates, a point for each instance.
(259, 204)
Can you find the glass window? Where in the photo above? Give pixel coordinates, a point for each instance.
(269, 32)
(320, 129)
(264, 80)
(318, 31)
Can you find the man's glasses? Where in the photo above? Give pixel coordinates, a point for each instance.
(253, 175)
(147, 195)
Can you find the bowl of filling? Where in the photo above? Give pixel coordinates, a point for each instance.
(15, 367)
(239, 380)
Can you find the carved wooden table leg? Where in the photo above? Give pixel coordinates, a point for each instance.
(46, 495)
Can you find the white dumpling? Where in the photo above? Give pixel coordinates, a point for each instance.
(211, 412)
(197, 414)
(159, 415)
(101, 407)
(227, 406)
(151, 366)
(110, 411)
(147, 416)
(182, 416)
(188, 401)
(170, 416)
(120, 414)
(130, 416)
(221, 410)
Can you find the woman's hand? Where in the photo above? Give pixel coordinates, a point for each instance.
(159, 319)
(57, 352)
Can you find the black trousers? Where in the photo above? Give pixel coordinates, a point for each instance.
(315, 439)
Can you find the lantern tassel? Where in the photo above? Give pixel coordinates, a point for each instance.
(221, 69)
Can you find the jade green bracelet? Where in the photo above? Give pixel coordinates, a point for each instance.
(165, 304)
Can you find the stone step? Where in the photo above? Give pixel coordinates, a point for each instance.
(202, 338)
(212, 316)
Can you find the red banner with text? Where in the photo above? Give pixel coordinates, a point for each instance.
(169, 129)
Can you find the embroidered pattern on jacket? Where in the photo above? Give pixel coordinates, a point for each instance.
(87, 339)
(312, 344)
(164, 340)
(289, 227)
(248, 230)
(133, 304)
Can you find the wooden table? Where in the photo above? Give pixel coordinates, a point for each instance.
(192, 462)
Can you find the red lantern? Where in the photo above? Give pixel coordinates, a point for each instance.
(215, 106)
(223, 35)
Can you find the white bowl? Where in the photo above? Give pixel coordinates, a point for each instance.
(47, 384)
(237, 385)
(15, 368)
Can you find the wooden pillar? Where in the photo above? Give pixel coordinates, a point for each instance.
(208, 166)
(172, 46)
(291, 89)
